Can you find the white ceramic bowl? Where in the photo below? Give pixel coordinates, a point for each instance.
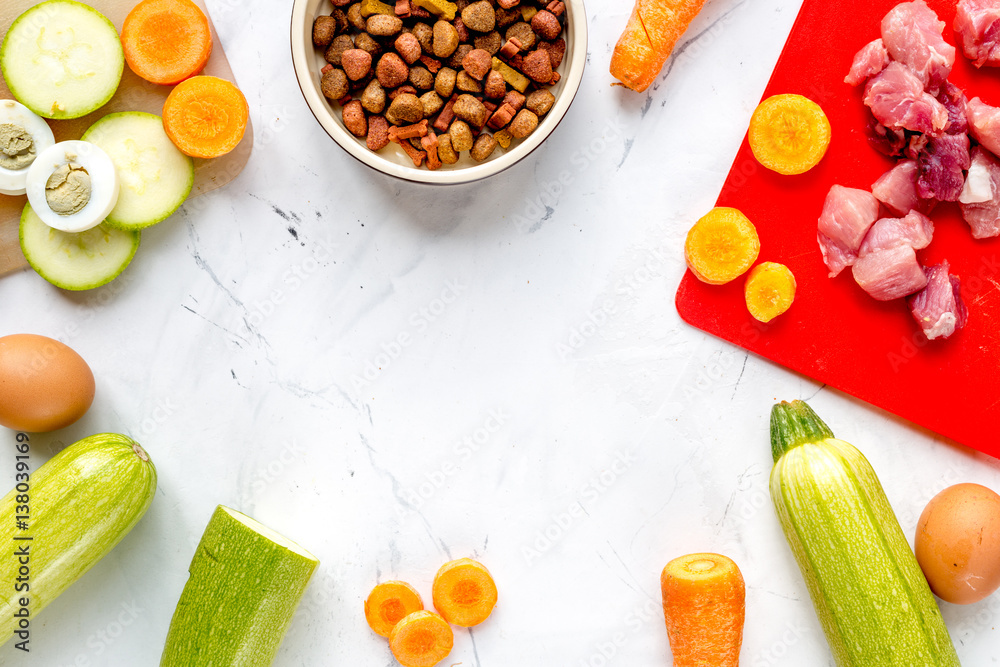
(391, 160)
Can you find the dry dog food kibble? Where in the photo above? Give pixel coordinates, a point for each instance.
(440, 78)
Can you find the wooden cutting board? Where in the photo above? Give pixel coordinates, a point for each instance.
(834, 332)
(134, 94)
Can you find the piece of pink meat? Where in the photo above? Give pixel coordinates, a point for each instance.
(847, 215)
(914, 229)
(941, 166)
(980, 198)
(887, 266)
(898, 100)
(912, 34)
(977, 23)
(897, 189)
(984, 124)
(869, 61)
(939, 308)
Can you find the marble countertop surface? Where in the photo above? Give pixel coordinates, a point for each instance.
(396, 375)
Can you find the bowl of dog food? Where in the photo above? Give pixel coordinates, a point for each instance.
(434, 91)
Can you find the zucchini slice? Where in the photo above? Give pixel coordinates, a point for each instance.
(62, 59)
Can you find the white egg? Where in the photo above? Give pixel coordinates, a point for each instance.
(12, 180)
(70, 207)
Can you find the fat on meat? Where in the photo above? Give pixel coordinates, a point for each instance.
(980, 198)
(912, 34)
(898, 100)
(890, 274)
(848, 214)
(869, 61)
(887, 266)
(977, 23)
(941, 166)
(891, 142)
(897, 189)
(938, 308)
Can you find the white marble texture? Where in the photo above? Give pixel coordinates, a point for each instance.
(396, 375)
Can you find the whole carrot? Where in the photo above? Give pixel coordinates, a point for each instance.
(704, 602)
(650, 35)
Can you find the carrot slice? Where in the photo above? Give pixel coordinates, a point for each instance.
(464, 592)
(704, 604)
(650, 35)
(389, 603)
(421, 639)
(769, 290)
(166, 41)
(205, 116)
(789, 133)
(721, 246)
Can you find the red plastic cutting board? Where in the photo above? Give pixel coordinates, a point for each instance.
(834, 332)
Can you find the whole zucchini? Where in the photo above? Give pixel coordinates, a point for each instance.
(869, 592)
(80, 504)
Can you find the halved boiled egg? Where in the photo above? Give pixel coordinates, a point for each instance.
(23, 136)
(72, 186)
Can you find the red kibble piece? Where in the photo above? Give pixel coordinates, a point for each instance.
(514, 99)
(509, 49)
(402, 89)
(378, 133)
(447, 115)
(546, 24)
(433, 65)
(408, 47)
(507, 4)
(502, 116)
(354, 118)
(430, 144)
(557, 7)
(478, 62)
(409, 131)
(461, 29)
(402, 9)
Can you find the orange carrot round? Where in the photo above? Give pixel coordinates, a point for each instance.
(704, 600)
(649, 37)
(464, 592)
(205, 116)
(421, 639)
(166, 41)
(721, 246)
(769, 290)
(789, 133)
(389, 603)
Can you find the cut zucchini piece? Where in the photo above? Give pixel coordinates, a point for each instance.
(155, 176)
(62, 59)
(76, 261)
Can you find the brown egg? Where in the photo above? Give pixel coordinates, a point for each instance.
(44, 385)
(958, 543)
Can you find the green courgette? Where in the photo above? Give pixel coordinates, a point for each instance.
(67, 516)
(246, 582)
(871, 597)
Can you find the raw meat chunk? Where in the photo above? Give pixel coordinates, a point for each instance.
(980, 198)
(914, 230)
(890, 274)
(897, 189)
(847, 215)
(954, 101)
(977, 23)
(869, 61)
(911, 32)
(984, 124)
(941, 165)
(938, 308)
(885, 141)
(898, 100)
